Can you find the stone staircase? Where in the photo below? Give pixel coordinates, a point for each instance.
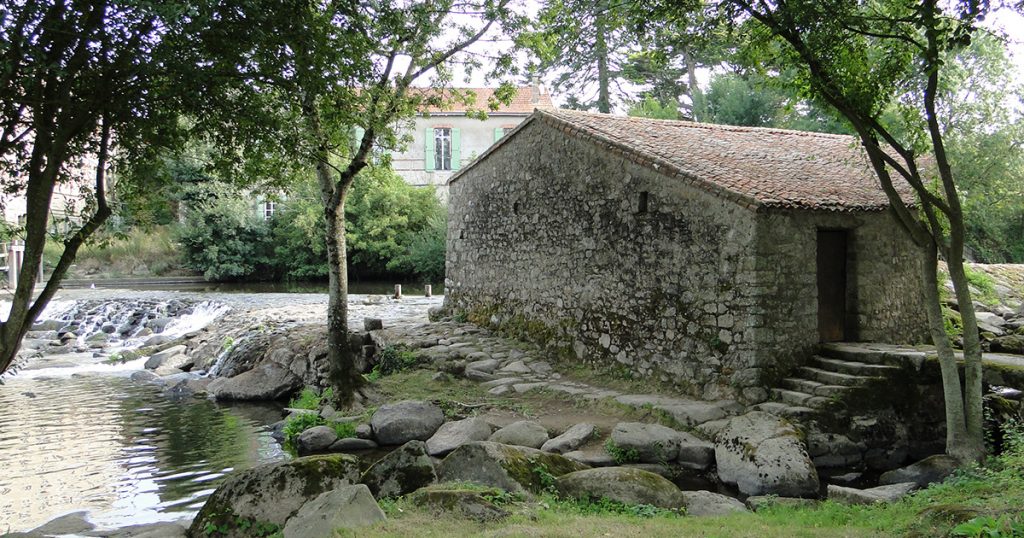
(834, 376)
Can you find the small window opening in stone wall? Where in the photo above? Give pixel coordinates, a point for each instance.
(515, 208)
(641, 203)
(462, 234)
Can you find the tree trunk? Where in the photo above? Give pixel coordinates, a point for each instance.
(958, 442)
(696, 95)
(604, 103)
(973, 404)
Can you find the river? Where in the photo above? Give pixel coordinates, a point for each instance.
(77, 433)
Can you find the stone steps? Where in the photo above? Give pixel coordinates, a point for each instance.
(792, 412)
(828, 377)
(852, 367)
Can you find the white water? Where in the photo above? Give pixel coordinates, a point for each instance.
(202, 315)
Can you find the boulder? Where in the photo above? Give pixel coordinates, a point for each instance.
(161, 529)
(652, 443)
(274, 492)
(157, 359)
(881, 494)
(623, 484)
(352, 444)
(73, 523)
(764, 454)
(522, 433)
(706, 503)
(403, 471)
(452, 435)
(467, 503)
(757, 502)
(266, 381)
(571, 439)
(694, 453)
(927, 471)
(315, 440)
(1013, 343)
(401, 422)
(513, 469)
(348, 507)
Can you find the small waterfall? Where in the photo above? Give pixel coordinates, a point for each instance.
(219, 361)
(202, 315)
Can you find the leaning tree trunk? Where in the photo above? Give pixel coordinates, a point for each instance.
(973, 396)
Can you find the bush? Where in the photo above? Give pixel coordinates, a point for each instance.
(223, 238)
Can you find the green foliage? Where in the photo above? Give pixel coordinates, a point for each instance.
(604, 506)
(649, 107)
(619, 454)
(984, 283)
(548, 481)
(224, 523)
(222, 237)
(343, 430)
(307, 399)
(392, 228)
(752, 101)
(394, 359)
(298, 423)
(1004, 526)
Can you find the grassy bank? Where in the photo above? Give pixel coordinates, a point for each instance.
(141, 252)
(986, 501)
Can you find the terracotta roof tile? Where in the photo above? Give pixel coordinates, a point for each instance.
(523, 102)
(753, 166)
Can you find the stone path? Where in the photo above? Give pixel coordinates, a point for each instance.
(508, 368)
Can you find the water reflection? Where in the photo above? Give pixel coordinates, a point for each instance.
(123, 451)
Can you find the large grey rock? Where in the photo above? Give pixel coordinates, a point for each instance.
(623, 484)
(405, 470)
(315, 440)
(706, 503)
(881, 494)
(73, 523)
(157, 359)
(571, 439)
(161, 529)
(400, 422)
(521, 433)
(352, 444)
(274, 492)
(266, 381)
(764, 454)
(927, 471)
(653, 443)
(348, 507)
(694, 453)
(452, 435)
(513, 469)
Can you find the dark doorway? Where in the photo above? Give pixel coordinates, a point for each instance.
(831, 285)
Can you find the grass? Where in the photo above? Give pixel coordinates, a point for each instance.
(984, 501)
(310, 399)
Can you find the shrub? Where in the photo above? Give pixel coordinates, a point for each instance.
(223, 238)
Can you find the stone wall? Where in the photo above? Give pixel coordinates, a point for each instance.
(610, 262)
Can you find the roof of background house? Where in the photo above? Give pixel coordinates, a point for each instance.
(522, 104)
(755, 167)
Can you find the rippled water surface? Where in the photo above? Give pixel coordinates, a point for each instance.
(122, 450)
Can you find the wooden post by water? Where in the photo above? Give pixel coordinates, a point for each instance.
(427, 291)
(398, 291)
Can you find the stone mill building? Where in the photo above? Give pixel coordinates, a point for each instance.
(713, 257)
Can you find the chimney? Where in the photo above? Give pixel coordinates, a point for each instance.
(535, 90)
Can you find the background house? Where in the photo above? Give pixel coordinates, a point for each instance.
(713, 257)
(445, 140)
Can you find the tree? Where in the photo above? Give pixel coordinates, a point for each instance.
(860, 58)
(78, 79)
(304, 82)
(585, 43)
(755, 101)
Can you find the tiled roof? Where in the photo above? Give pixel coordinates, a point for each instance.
(523, 102)
(755, 167)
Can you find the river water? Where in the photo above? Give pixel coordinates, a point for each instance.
(79, 434)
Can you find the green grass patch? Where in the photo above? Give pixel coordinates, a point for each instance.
(310, 399)
(300, 422)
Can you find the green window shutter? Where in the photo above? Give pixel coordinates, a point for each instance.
(498, 133)
(456, 149)
(428, 149)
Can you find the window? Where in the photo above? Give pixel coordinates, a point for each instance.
(268, 210)
(442, 148)
(641, 203)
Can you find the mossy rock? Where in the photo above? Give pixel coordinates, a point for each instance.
(454, 499)
(510, 468)
(266, 496)
(627, 485)
(403, 471)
